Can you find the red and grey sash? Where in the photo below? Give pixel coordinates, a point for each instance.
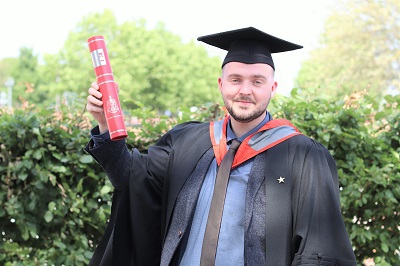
(272, 133)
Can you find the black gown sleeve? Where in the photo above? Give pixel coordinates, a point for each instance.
(119, 163)
(319, 233)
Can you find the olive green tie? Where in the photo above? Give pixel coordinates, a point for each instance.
(211, 234)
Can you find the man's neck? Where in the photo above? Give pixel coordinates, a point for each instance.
(240, 128)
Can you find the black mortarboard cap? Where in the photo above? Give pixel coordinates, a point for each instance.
(248, 45)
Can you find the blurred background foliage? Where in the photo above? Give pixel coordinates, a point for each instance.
(153, 67)
(360, 50)
(55, 200)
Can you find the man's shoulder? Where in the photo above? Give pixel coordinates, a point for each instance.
(307, 146)
(190, 127)
(191, 131)
(302, 139)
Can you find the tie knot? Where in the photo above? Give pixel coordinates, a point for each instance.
(235, 144)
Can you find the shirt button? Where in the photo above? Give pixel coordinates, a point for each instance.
(179, 234)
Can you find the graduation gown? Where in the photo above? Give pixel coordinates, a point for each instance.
(303, 223)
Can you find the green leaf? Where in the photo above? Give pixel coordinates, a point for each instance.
(25, 233)
(79, 257)
(326, 137)
(39, 184)
(59, 169)
(86, 159)
(22, 176)
(36, 131)
(396, 154)
(51, 147)
(48, 216)
(105, 189)
(88, 254)
(60, 244)
(12, 246)
(51, 206)
(37, 154)
(384, 247)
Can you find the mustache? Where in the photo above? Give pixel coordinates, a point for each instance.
(243, 99)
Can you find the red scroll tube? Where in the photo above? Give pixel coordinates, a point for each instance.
(108, 88)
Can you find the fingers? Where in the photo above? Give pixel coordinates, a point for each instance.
(94, 91)
(94, 103)
(95, 85)
(93, 108)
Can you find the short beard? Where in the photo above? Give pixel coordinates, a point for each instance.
(245, 118)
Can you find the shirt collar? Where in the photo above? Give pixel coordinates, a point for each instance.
(230, 135)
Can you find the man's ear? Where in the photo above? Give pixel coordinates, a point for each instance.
(220, 84)
(274, 88)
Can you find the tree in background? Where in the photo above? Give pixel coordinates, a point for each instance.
(25, 78)
(360, 51)
(6, 66)
(25, 73)
(153, 67)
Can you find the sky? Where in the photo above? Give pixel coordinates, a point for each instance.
(43, 25)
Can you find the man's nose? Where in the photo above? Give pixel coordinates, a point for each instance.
(245, 89)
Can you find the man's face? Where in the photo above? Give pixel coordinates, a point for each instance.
(246, 90)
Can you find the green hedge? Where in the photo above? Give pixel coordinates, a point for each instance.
(363, 137)
(55, 200)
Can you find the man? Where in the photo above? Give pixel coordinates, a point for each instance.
(281, 204)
